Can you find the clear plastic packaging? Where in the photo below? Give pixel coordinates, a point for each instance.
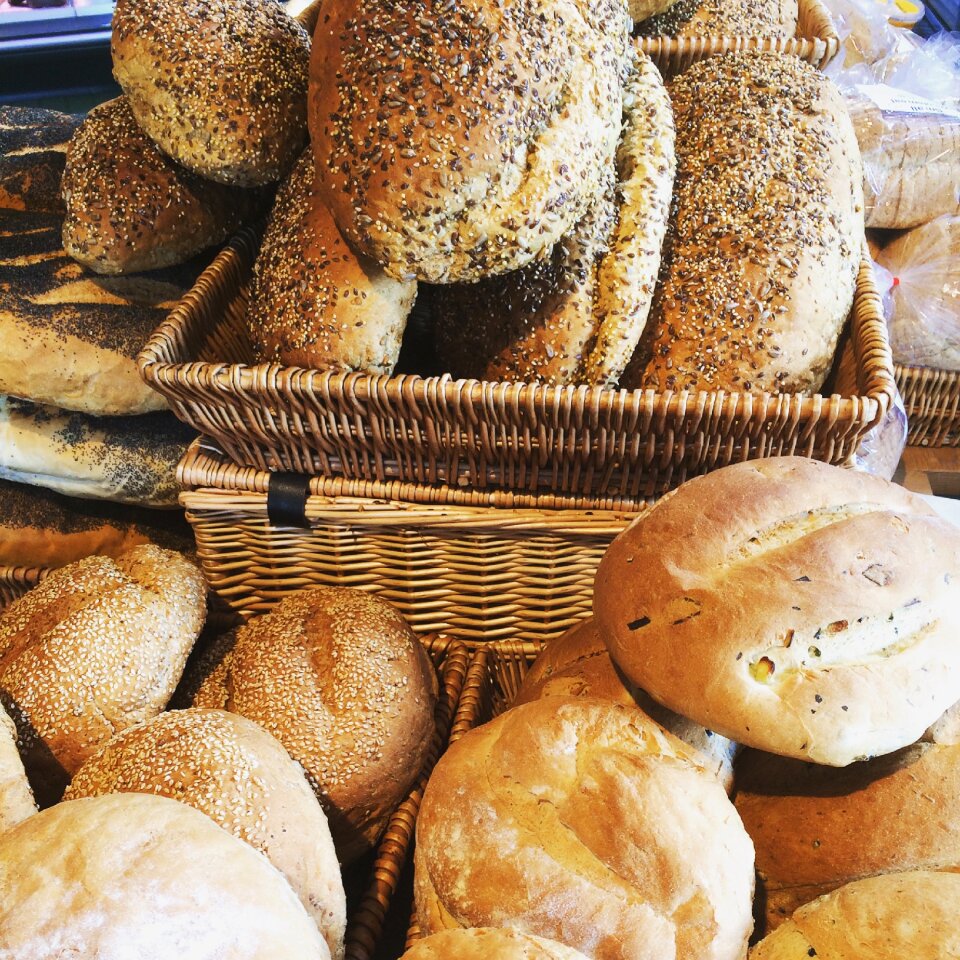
(880, 450)
(923, 276)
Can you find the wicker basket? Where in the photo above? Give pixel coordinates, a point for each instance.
(478, 566)
(573, 441)
(932, 401)
(16, 581)
(816, 42)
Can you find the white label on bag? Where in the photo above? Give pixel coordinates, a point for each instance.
(891, 100)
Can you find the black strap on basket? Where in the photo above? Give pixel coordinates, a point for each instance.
(287, 500)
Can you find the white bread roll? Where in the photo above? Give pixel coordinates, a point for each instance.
(137, 876)
(241, 777)
(578, 664)
(340, 679)
(489, 943)
(96, 647)
(584, 822)
(903, 916)
(16, 797)
(796, 607)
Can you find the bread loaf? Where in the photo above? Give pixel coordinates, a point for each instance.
(33, 146)
(482, 134)
(793, 606)
(808, 822)
(16, 797)
(579, 665)
(39, 528)
(576, 316)
(131, 875)
(488, 943)
(96, 647)
(126, 459)
(904, 916)
(130, 208)
(219, 86)
(338, 677)
(584, 822)
(314, 302)
(714, 18)
(766, 231)
(238, 775)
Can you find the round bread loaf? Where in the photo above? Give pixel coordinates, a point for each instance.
(714, 18)
(125, 459)
(131, 208)
(71, 338)
(219, 85)
(481, 132)
(790, 605)
(16, 797)
(39, 528)
(576, 317)
(766, 231)
(131, 875)
(33, 145)
(489, 943)
(903, 916)
(584, 822)
(579, 665)
(96, 647)
(338, 677)
(816, 828)
(237, 774)
(315, 303)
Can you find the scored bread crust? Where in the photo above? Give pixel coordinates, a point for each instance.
(577, 316)
(242, 778)
(584, 822)
(766, 231)
(219, 85)
(790, 605)
(807, 822)
(488, 943)
(315, 303)
(97, 646)
(454, 141)
(131, 208)
(132, 875)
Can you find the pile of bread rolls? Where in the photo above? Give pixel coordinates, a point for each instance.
(305, 735)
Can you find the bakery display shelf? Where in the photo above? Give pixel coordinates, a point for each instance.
(932, 401)
(16, 581)
(479, 566)
(816, 41)
(600, 445)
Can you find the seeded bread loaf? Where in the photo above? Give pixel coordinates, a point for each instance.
(338, 677)
(33, 146)
(793, 606)
(576, 316)
(714, 18)
(481, 132)
(219, 85)
(315, 303)
(766, 231)
(131, 208)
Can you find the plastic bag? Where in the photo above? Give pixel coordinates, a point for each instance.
(866, 36)
(880, 450)
(924, 294)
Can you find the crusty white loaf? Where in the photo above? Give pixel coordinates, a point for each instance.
(137, 876)
(797, 607)
(903, 916)
(489, 943)
(766, 231)
(16, 797)
(241, 777)
(583, 821)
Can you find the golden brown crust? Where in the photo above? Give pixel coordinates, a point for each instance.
(241, 777)
(98, 646)
(315, 303)
(338, 677)
(219, 85)
(489, 943)
(131, 208)
(579, 665)
(134, 875)
(797, 607)
(765, 235)
(715, 18)
(456, 140)
(583, 821)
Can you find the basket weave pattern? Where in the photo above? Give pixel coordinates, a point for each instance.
(16, 581)
(932, 401)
